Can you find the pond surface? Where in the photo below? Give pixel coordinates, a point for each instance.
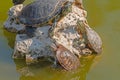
(103, 17)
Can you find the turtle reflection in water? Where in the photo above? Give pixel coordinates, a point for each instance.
(47, 12)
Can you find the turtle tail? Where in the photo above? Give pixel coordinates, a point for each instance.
(30, 31)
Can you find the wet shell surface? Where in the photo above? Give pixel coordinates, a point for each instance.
(94, 39)
(40, 11)
(67, 59)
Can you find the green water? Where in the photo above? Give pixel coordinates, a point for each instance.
(103, 16)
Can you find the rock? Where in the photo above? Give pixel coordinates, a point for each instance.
(11, 23)
(66, 32)
(43, 44)
(13, 26)
(14, 11)
(34, 48)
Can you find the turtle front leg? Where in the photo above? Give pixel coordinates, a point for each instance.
(55, 61)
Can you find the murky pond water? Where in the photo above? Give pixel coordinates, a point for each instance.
(103, 16)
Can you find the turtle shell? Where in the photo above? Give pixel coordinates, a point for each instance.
(40, 11)
(94, 39)
(67, 59)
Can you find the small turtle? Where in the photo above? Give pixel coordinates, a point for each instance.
(93, 39)
(67, 59)
(15, 2)
(41, 12)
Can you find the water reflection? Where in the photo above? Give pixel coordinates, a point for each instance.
(10, 38)
(44, 71)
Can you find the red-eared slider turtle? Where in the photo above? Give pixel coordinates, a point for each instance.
(15, 2)
(67, 59)
(93, 39)
(41, 11)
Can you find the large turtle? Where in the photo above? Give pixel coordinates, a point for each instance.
(40, 12)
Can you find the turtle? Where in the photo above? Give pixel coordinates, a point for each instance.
(92, 38)
(16, 2)
(68, 60)
(41, 12)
